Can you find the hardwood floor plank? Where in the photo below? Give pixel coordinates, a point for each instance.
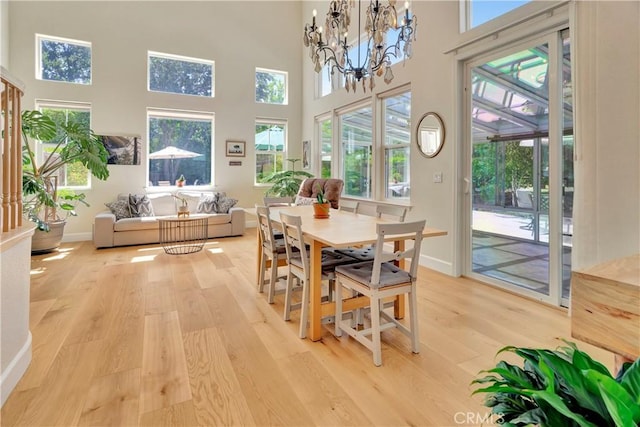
(159, 298)
(217, 395)
(112, 400)
(165, 379)
(180, 414)
(61, 396)
(257, 372)
(37, 310)
(193, 311)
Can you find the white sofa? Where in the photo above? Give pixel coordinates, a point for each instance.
(109, 232)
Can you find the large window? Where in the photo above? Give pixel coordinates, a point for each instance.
(270, 148)
(180, 145)
(271, 86)
(397, 142)
(63, 60)
(356, 151)
(179, 74)
(481, 11)
(325, 133)
(74, 175)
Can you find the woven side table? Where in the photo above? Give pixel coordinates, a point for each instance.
(184, 235)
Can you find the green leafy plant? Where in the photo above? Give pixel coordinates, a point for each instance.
(320, 196)
(562, 387)
(286, 183)
(71, 143)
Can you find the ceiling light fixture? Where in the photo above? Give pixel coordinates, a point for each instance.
(377, 60)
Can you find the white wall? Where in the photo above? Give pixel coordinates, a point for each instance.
(238, 36)
(4, 33)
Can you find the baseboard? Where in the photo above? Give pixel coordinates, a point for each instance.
(77, 237)
(250, 224)
(436, 264)
(15, 370)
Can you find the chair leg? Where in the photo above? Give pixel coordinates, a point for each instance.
(413, 312)
(287, 297)
(375, 331)
(337, 326)
(263, 267)
(274, 278)
(304, 309)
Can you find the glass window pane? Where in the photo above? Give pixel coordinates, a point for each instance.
(179, 145)
(485, 10)
(326, 136)
(397, 141)
(271, 86)
(180, 75)
(356, 150)
(64, 60)
(270, 147)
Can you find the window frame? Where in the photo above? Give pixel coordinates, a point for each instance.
(181, 58)
(176, 114)
(338, 142)
(285, 74)
(384, 147)
(319, 153)
(40, 145)
(273, 122)
(38, 63)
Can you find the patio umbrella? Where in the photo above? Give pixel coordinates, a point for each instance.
(270, 139)
(169, 153)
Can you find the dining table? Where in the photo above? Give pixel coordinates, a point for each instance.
(340, 230)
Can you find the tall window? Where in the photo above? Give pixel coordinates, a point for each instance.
(63, 60)
(271, 86)
(180, 74)
(396, 144)
(481, 11)
(325, 132)
(74, 175)
(356, 151)
(180, 145)
(270, 148)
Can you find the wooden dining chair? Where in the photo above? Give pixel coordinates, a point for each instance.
(277, 201)
(300, 268)
(392, 213)
(349, 206)
(379, 279)
(273, 252)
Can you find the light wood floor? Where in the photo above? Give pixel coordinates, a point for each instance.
(132, 336)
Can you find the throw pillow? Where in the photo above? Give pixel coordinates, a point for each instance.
(120, 208)
(207, 203)
(225, 203)
(140, 205)
(303, 201)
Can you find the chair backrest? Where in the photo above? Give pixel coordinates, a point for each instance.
(349, 206)
(414, 230)
(394, 213)
(292, 230)
(331, 187)
(265, 228)
(277, 201)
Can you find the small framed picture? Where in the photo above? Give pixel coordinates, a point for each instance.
(236, 148)
(306, 154)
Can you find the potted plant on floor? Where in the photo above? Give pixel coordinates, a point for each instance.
(67, 144)
(286, 183)
(562, 387)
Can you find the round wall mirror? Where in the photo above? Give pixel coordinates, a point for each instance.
(430, 134)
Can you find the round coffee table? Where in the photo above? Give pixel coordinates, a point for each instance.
(183, 235)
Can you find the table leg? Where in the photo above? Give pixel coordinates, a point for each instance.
(399, 303)
(315, 313)
(259, 254)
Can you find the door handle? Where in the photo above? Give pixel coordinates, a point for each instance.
(467, 185)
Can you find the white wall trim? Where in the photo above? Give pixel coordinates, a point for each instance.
(77, 237)
(14, 371)
(436, 264)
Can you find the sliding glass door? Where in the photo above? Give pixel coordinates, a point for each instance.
(520, 168)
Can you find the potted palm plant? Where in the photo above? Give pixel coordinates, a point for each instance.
(286, 183)
(44, 203)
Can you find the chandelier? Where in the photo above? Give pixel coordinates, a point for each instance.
(334, 51)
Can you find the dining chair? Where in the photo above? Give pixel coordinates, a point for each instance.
(273, 250)
(393, 213)
(277, 201)
(379, 279)
(300, 268)
(349, 206)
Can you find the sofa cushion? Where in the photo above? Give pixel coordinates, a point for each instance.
(140, 205)
(302, 201)
(216, 219)
(225, 203)
(164, 204)
(139, 223)
(120, 208)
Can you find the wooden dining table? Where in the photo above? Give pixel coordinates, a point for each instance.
(340, 230)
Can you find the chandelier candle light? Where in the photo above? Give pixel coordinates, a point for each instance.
(334, 50)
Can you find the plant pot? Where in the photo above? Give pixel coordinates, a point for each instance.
(43, 242)
(180, 183)
(321, 210)
(183, 211)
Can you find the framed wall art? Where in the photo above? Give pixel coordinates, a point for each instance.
(306, 154)
(236, 148)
